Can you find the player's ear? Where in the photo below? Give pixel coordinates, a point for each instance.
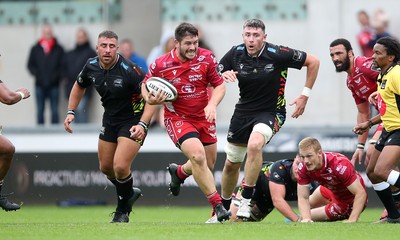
(350, 53)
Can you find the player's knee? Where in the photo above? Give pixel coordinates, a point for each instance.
(198, 158)
(234, 153)
(372, 176)
(265, 130)
(231, 167)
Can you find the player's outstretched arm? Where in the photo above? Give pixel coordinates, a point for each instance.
(11, 97)
(360, 197)
(303, 194)
(278, 192)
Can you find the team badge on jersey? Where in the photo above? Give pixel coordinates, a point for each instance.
(383, 84)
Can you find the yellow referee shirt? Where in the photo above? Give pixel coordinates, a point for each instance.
(389, 98)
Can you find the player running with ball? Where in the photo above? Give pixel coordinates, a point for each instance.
(190, 119)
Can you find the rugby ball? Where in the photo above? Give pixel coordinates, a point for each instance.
(153, 85)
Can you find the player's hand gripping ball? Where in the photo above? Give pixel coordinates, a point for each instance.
(153, 84)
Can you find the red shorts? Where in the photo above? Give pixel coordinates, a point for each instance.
(337, 209)
(180, 129)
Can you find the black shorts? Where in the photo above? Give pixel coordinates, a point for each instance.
(262, 196)
(383, 140)
(241, 127)
(112, 129)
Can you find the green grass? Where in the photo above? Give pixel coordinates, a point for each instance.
(174, 223)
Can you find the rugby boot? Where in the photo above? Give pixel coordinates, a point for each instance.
(123, 217)
(213, 219)
(384, 213)
(120, 217)
(175, 184)
(388, 220)
(244, 209)
(136, 194)
(7, 205)
(221, 213)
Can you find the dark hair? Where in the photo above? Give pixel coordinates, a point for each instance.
(363, 12)
(185, 29)
(342, 41)
(254, 23)
(108, 34)
(392, 46)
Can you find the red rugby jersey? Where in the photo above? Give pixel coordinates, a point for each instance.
(190, 78)
(362, 81)
(336, 174)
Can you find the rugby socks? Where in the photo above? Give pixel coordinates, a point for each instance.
(214, 199)
(124, 192)
(1, 184)
(247, 191)
(113, 180)
(384, 193)
(181, 172)
(396, 196)
(394, 178)
(226, 202)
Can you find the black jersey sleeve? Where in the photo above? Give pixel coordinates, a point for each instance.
(287, 57)
(226, 61)
(83, 78)
(136, 75)
(280, 172)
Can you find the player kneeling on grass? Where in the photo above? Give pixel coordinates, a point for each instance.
(276, 184)
(341, 194)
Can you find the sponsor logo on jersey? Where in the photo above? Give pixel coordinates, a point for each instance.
(174, 72)
(118, 82)
(80, 80)
(124, 65)
(270, 49)
(214, 58)
(188, 88)
(276, 175)
(357, 70)
(168, 64)
(193, 78)
(341, 169)
(269, 67)
(220, 67)
(383, 84)
(240, 48)
(201, 58)
(297, 55)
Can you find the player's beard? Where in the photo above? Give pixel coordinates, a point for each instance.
(188, 54)
(345, 65)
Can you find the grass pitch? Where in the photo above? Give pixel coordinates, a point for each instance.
(174, 223)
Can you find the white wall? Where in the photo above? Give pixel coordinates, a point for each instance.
(330, 104)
